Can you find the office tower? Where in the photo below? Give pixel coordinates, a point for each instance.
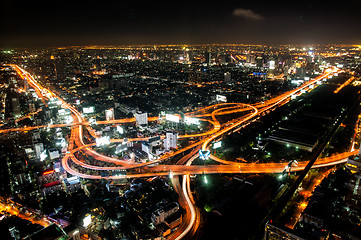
(109, 114)
(141, 118)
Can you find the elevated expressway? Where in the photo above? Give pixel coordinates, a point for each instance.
(158, 167)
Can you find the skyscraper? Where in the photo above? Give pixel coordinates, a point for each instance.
(109, 114)
(171, 140)
(227, 77)
(59, 70)
(207, 56)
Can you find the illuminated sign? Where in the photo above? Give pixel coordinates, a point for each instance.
(221, 98)
(204, 155)
(172, 118)
(88, 109)
(217, 145)
(189, 120)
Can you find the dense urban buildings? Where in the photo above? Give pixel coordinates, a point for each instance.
(227, 141)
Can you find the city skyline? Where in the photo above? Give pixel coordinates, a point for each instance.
(67, 24)
(177, 141)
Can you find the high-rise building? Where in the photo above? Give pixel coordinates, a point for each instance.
(141, 118)
(259, 61)
(171, 140)
(109, 114)
(273, 231)
(272, 64)
(227, 77)
(59, 70)
(300, 72)
(251, 58)
(207, 56)
(32, 107)
(15, 103)
(39, 148)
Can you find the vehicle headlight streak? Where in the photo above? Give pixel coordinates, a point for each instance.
(252, 111)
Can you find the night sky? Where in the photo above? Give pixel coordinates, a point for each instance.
(63, 23)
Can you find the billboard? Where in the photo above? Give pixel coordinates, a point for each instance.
(217, 145)
(88, 109)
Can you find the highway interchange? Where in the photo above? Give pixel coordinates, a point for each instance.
(184, 167)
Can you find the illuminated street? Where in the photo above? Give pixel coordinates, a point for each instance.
(85, 153)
